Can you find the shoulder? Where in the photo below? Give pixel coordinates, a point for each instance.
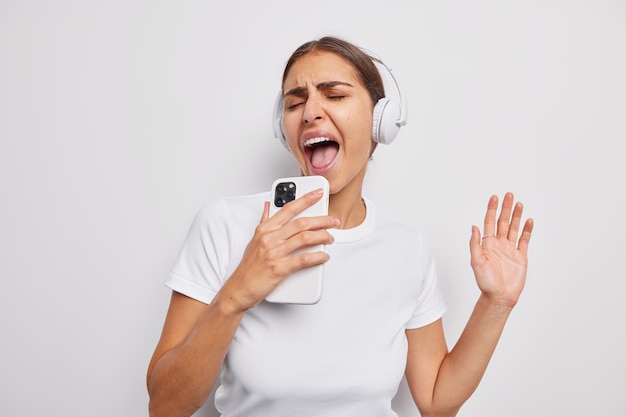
(224, 207)
(399, 230)
(224, 214)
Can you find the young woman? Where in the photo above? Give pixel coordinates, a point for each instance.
(380, 314)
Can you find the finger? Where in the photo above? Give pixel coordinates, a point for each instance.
(293, 208)
(489, 226)
(505, 215)
(304, 240)
(266, 212)
(515, 222)
(475, 248)
(302, 251)
(524, 240)
(305, 224)
(306, 259)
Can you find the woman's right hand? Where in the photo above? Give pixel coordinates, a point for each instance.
(268, 258)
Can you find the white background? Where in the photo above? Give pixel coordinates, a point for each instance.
(120, 119)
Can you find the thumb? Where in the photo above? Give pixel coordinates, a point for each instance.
(266, 212)
(474, 244)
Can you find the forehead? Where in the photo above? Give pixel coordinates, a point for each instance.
(320, 66)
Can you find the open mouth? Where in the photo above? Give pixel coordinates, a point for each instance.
(321, 151)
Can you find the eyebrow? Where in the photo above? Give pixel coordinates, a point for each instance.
(299, 91)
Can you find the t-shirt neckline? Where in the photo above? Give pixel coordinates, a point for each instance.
(357, 232)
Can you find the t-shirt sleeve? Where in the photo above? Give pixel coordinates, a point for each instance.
(430, 300)
(198, 270)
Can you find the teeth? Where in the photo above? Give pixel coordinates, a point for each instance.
(313, 141)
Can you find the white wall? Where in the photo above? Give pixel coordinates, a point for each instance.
(119, 119)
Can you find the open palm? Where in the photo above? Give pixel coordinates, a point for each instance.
(500, 257)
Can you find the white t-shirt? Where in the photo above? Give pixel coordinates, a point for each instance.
(344, 356)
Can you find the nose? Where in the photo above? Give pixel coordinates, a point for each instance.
(312, 110)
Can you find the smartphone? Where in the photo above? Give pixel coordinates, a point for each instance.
(305, 285)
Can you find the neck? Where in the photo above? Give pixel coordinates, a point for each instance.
(347, 206)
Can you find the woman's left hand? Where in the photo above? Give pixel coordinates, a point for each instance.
(499, 258)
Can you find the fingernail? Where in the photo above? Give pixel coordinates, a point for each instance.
(318, 191)
(336, 222)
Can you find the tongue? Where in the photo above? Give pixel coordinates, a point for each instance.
(323, 155)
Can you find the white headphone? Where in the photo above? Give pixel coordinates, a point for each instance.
(388, 117)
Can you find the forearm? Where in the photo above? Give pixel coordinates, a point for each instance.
(183, 377)
(463, 368)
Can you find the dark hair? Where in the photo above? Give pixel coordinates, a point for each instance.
(362, 62)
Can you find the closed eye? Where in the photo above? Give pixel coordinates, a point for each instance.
(295, 100)
(292, 106)
(333, 90)
(295, 104)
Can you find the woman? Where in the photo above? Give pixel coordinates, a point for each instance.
(380, 315)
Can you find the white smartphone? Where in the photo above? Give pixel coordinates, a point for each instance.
(305, 285)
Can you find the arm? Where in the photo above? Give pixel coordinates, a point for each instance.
(189, 355)
(197, 336)
(441, 381)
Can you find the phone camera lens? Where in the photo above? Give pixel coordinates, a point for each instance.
(285, 192)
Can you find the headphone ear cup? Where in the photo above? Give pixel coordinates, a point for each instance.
(277, 120)
(385, 125)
